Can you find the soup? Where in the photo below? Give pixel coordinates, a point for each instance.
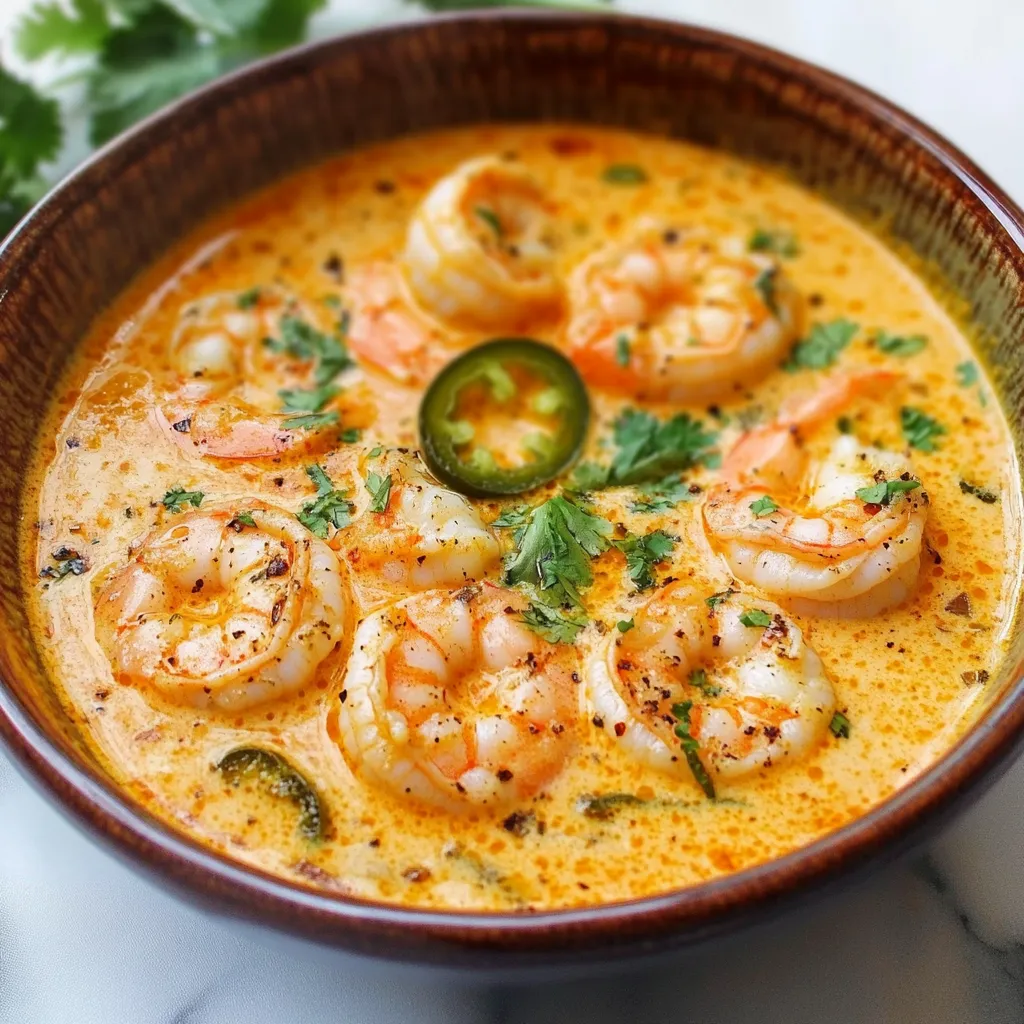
(523, 518)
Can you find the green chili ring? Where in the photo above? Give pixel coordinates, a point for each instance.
(440, 435)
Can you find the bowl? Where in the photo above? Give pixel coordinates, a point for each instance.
(85, 242)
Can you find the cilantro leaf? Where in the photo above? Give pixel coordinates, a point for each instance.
(624, 625)
(840, 726)
(764, 285)
(176, 499)
(900, 345)
(967, 374)
(662, 495)
(555, 625)
(644, 553)
(301, 340)
(310, 421)
(67, 562)
(249, 298)
(554, 549)
(331, 508)
(716, 599)
(920, 429)
(820, 349)
(242, 519)
(699, 680)
(763, 506)
(691, 748)
(782, 243)
(884, 491)
(307, 400)
(77, 27)
(622, 352)
(512, 518)
(491, 219)
(624, 174)
(756, 617)
(380, 491)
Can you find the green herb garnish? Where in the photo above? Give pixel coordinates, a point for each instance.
(691, 748)
(490, 218)
(967, 374)
(840, 726)
(883, 492)
(756, 617)
(624, 625)
(176, 499)
(900, 345)
(555, 625)
(380, 491)
(301, 340)
(820, 349)
(622, 350)
(644, 553)
(331, 507)
(764, 285)
(981, 493)
(248, 298)
(919, 429)
(716, 599)
(763, 506)
(782, 243)
(624, 174)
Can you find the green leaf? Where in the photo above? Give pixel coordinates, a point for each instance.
(662, 495)
(512, 518)
(380, 491)
(844, 425)
(644, 553)
(249, 298)
(490, 218)
(691, 748)
(883, 492)
(716, 599)
(245, 518)
(80, 26)
(900, 345)
(624, 625)
(301, 340)
(472, 5)
(307, 399)
(699, 680)
(555, 625)
(763, 506)
(30, 131)
(782, 243)
(331, 508)
(554, 549)
(840, 726)
(820, 349)
(764, 285)
(281, 23)
(920, 429)
(967, 374)
(981, 493)
(310, 421)
(756, 617)
(624, 174)
(622, 350)
(176, 499)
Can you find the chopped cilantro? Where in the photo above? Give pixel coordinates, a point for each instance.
(644, 553)
(782, 243)
(331, 508)
(662, 495)
(716, 599)
(844, 425)
(691, 748)
(820, 349)
(764, 284)
(900, 345)
(840, 726)
(350, 435)
(248, 298)
(380, 491)
(967, 374)
(244, 518)
(513, 517)
(624, 174)
(756, 617)
(376, 450)
(176, 499)
(884, 491)
(981, 493)
(622, 350)
(491, 219)
(763, 506)
(301, 340)
(310, 421)
(699, 680)
(307, 399)
(624, 625)
(554, 548)
(919, 429)
(555, 625)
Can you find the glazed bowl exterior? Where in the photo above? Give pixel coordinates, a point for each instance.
(87, 240)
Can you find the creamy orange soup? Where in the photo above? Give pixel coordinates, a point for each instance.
(768, 593)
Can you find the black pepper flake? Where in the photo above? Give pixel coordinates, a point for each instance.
(375, 842)
(334, 267)
(183, 426)
(504, 775)
(384, 187)
(343, 696)
(277, 567)
(197, 586)
(975, 676)
(520, 823)
(73, 442)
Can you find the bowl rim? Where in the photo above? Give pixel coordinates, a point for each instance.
(686, 914)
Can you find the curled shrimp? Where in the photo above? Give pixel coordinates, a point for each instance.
(749, 696)
(214, 611)
(480, 248)
(450, 699)
(678, 316)
(416, 536)
(843, 555)
(233, 366)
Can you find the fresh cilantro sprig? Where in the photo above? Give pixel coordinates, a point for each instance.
(556, 625)
(379, 488)
(777, 241)
(919, 429)
(644, 553)
(299, 339)
(900, 344)
(821, 348)
(553, 550)
(884, 491)
(763, 506)
(649, 450)
(662, 495)
(177, 498)
(330, 508)
(691, 748)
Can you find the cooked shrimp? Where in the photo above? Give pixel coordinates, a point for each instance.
(423, 535)
(212, 611)
(678, 316)
(753, 696)
(234, 363)
(843, 555)
(480, 249)
(389, 331)
(449, 698)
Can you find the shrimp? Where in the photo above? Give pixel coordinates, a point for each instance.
(389, 331)
(480, 249)
(234, 364)
(450, 699)
(423, 535)
(213, 611)
(845, 555)
(678, 316)
(750, 696)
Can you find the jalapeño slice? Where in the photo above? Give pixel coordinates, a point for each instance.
(503, 418)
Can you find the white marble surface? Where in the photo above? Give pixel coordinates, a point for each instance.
(937, 941)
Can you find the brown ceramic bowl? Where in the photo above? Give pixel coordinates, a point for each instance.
(120, 211)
